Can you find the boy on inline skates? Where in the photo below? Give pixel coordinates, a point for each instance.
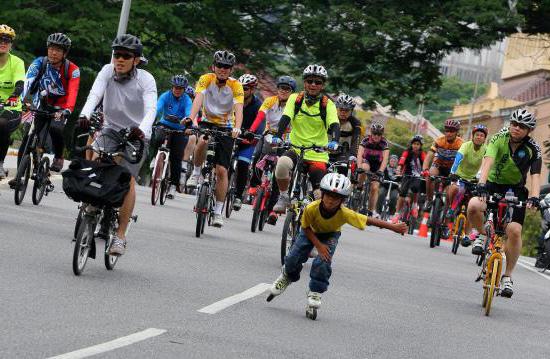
(322, 221)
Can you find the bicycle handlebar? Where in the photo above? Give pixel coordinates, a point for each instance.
(137, 152)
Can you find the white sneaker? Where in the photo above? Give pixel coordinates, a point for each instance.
(218, 221)
(193, 181)
(282, 204)
(171, 192)
(280, 284)
(506, 289)
(477, 248)
(313, 299)
(237, 204)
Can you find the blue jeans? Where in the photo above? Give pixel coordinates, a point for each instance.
(320, 269)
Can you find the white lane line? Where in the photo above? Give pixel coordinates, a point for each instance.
(529, 267)
(112, 345)
(234, 299)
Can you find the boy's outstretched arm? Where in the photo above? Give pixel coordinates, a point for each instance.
(400, 227)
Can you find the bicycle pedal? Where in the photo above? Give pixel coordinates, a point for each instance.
(134, 218)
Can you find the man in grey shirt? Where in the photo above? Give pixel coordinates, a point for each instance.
(129, 98)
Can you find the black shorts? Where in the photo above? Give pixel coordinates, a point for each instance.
(316, 170)
(520, 192)
(374, 165)
(443, 171)
(414, 184)
(224, 145)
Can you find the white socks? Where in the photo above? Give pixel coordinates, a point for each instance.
(219, 207)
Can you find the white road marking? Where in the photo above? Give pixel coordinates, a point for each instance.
(112, 345)
(529, 267)
(234, 299)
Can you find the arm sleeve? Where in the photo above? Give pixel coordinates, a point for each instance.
(238, 93)
(458, 159)
(283, 124)
(332, 116)
(260, 117)
(160, 106)
(149, 104)
(30, 77)
(403, 158)
(188, 105)
(536, 165)
(334, 131)
(19, 78)
(492, 147)
(72, 88)
(97, 91)
(307, 217)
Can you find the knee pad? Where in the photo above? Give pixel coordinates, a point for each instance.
(284, 166)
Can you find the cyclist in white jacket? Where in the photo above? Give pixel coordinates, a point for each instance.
(129, 98)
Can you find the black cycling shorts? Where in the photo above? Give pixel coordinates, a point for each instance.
(315, 169)
(414, 184)
(224, 145)
(521, 193)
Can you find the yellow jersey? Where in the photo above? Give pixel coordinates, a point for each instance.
(218, 101)
(313, 219)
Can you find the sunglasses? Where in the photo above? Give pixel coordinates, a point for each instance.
(124, 55)
(223, 66)
(520, 125)
(377, 133)
(451, 130)
(285, 88)
(316, 82)
(246, 88)
(6, 40)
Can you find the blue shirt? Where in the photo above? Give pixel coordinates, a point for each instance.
(168, 104)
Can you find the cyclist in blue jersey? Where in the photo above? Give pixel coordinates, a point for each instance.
(173, 106)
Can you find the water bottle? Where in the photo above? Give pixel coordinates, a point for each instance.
(509, 196)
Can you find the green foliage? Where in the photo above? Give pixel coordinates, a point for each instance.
(531, 232)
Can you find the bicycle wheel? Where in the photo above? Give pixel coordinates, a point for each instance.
(157, 177)
(78, 221)
(457, 235)
(257, 210)
(412, 224)
(481, 258)
(164, 189)
(41, 180)
(263, 219)
(289, 233)
(230, 196)
(435, 222)
(22, 178)
(82, 245)
(495, 271)
(201, 209)
(110, 261)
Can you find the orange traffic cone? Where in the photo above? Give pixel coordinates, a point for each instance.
(423, 229)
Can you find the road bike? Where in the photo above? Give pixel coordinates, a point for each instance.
(437, 214)
(161, 179)
(96, 220)
(264, 192)
(232, 179)
(409, 212)
(359, 198)
(300, 197)
(500, 210)
(460, 202)
(385, 210)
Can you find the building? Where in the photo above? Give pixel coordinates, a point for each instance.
(525, 83)
(469, 65)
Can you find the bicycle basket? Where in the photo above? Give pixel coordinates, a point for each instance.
(96, 183)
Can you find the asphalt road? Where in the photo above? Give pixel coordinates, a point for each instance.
(390, 296)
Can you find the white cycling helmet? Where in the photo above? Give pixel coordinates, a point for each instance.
(248, 80)
(336, 183)
(345, 101)
(524, 117)
(224, 57)
(545, 202)
(315, 70)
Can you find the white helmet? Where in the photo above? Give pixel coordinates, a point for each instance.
(524, 117)
(336, 183)
(345, 101)
(545, 202)
(224, 57)
(248, 80)
(315, 70)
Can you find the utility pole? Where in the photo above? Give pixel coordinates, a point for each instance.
(124, 15)
(474, 98)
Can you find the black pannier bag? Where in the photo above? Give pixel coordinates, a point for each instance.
(96, 183)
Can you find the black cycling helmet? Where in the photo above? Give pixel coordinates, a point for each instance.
(128, 42)
(224, 57)
(59, 39)
(417, 138)
(287, 80)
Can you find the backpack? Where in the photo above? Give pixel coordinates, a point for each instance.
(42, 70)
(322, 106)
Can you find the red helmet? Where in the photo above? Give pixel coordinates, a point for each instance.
(452, 124)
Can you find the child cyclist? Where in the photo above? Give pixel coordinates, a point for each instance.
(321, 224)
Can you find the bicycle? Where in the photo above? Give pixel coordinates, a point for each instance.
(232, 179)
(461, 201)
(385, 210)
(300, 198)
(264, 192)
(437, 214)
(33, 164)
(499, 209)
(97, 220)
(206, 199)
(161, 179)
(359, 200)
(409, 212)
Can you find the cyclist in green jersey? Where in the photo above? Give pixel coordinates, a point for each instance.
(465, 167)
(511, 155)
(12, 80)
(313, 120)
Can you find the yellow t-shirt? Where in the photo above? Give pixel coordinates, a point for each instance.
(273, 112)
(312, 218)
(219, 101)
